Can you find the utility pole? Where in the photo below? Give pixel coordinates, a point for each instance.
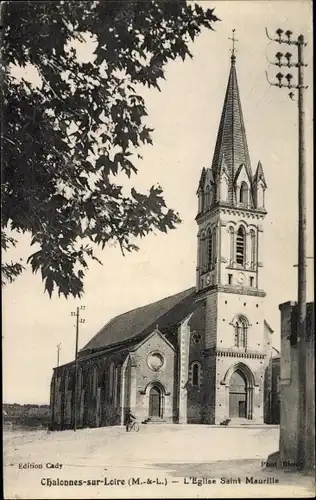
(285, 60)
(58, 350)
(74, 397)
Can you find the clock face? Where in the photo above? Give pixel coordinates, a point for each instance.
(241, 278)
(208, 279)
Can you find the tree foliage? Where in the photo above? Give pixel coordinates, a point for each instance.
(66, 139)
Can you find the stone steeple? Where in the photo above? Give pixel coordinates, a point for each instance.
(231, 144)
(231, 202)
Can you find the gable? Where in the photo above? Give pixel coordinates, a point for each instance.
(154, 342)
(155, 337)
(242, 176)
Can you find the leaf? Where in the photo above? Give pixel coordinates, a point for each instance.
(49, 285)
(81, 123)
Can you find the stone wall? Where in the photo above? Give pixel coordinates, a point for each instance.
(297, 423)
(98, 401)
(272, 391)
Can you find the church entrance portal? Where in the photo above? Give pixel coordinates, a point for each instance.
(155, 402)
(238, 395)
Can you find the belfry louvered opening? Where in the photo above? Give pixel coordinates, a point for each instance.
(240, 246)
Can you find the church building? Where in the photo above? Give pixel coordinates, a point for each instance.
(199, 356)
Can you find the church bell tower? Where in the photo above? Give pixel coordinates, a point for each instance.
(231, 213)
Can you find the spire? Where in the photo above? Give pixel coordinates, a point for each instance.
(231, 140)
(202, 180)
(259, 175)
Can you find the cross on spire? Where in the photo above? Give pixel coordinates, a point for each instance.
(233, 39)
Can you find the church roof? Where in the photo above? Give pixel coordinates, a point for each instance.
(231, 143)
(164, 313)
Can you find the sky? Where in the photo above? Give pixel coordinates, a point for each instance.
(185, 116)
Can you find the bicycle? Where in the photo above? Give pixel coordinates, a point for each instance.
(132, 426)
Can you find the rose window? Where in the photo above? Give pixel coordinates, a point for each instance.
(155, 361)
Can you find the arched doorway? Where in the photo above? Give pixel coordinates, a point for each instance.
(155, 402)
(238, 395)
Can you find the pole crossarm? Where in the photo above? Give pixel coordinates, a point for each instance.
(286, 65)
(281, 85)
(288, 41)
(287, 86)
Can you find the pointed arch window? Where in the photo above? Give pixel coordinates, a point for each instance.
(201, 199)
(94, 381)
(207, 197)
(201, 263)
(196, 374)
(214, 245)
(200, 252)
(241, 246)
(115, 382)
(204, 250)
(243, 194)
(231, 244)
(53, 390)
(252, 247)
(209, 248)
(112, 380)
(241, 333)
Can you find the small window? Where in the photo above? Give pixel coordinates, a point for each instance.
(230, 279)
(196, 374)
(251, 281)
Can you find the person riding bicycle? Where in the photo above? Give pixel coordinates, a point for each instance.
(129, 418)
